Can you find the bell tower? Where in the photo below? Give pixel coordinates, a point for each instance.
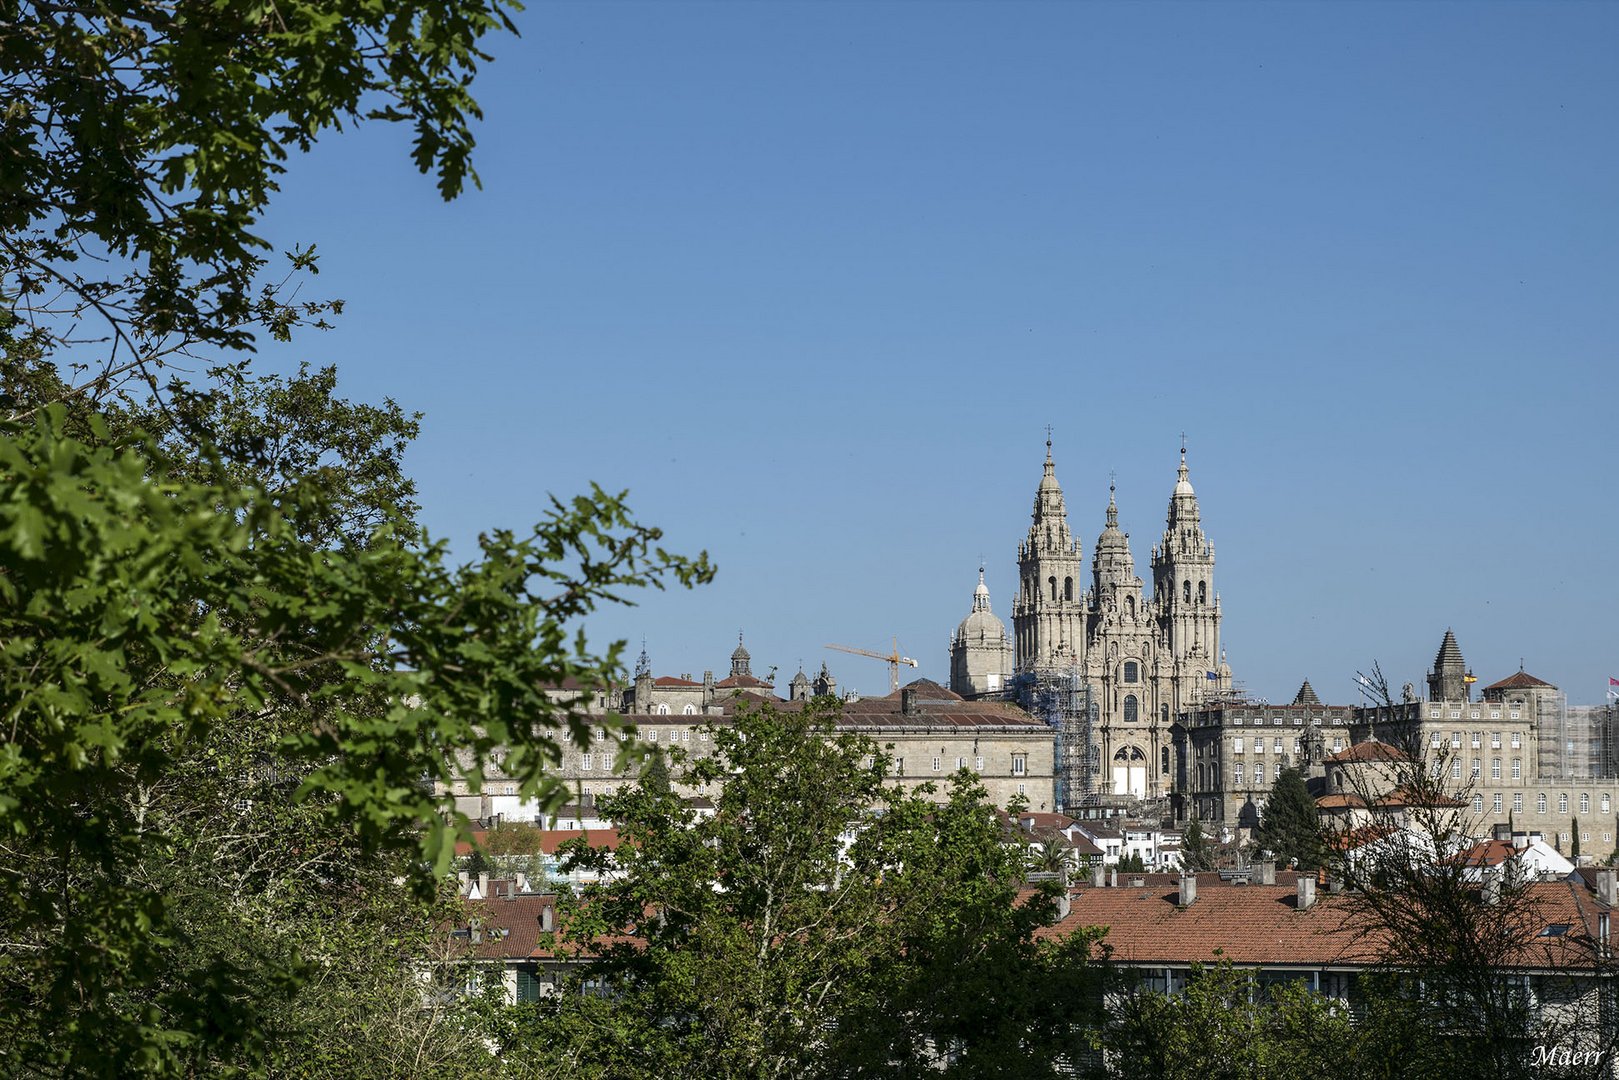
(1184, 597)
(1048, 614)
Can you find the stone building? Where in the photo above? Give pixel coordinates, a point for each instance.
(1142, 657)
(981, 656)
(928, 732)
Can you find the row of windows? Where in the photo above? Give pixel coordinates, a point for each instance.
(661, 709)
(1298, 721)
(1437, 739)
(1020, 764)
(1259, 745)
(1456, 714)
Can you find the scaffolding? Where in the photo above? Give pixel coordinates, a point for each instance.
(1060, 698)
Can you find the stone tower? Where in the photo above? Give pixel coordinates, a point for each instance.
(981, 657)
(1448, 681)
(1048, 616)
(1188, 608)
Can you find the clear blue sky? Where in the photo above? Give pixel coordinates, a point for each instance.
(810, 280)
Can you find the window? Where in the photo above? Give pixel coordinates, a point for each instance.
(1236, 772)
(1455, 768)
(1067, 588)
(1130, 708)
(1478, 769)
(1474, 714)
(1607, 837)
(584, 761)
(1437, 739)
(1278, 746)
(1517, 741)
(961, 763)
(1517, 768)
(1236, 745)
(935, 763)
(1337, 742)
(1495, 740)
(1455, 740)
(1606, 806)
(1298, 746)
(1022, 789)
(1259, 773)
(1020, 764)
(1517, 802)
(1478, 804)
(702, 736)
(899, 766)
(1478, 737)
(1562, 804)
(1132, 671)
(1497, 805)
(662, 710)
(978, 764)
(1495, 768)
(652, 736)
(689, 710)
(1540, 803)
(1513, 714)
(1585, 802)
(1564, 838)
(1585, 836)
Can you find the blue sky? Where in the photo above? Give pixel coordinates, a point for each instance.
(811, 280)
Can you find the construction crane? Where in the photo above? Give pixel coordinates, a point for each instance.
(894, 660)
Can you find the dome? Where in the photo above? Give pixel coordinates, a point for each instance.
(981, 625)
(1183, 486)
(1112, 539)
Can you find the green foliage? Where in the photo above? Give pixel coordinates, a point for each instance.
(1290, 827)
(820, 923)
(1132, 863)
(1222, 1026)
(143, 141)
(190, 676)
(1197, 850)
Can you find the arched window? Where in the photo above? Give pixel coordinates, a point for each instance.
(1540, 803)
(1163, 713)
(1186, 590)
(1202, 592)
(1132, 671)
(662, 710)
(1163, 764)
(1585, 802)
(1053, 580)
(689, 710)
(1259, 773)
(1130, 606)
(1236, 773)
(1562, 803)
(1478, 804)
(1605, 803)
(1130, 706)
(1067, 588)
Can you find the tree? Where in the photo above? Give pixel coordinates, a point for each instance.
(1290, 827)
(1132, 864)
(178, 649)
(821, 922)
(1197, 852)
(1223, 1026)
(144, 140)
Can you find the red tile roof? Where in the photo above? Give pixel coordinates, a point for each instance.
(671, 680)
(1262, 924)
(1520, 680)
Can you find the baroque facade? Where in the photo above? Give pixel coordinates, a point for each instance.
(1143, 656)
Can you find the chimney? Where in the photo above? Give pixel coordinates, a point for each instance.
(1188, 889)
(1306, 892)
(483, 886)
(475, 931)
(1099, 876)
(1490, 893)
(1267, 872)
(1065, 905)
(1608, 887)
(464, 877)
(548, 918)
(907, 701)
(1113, 878)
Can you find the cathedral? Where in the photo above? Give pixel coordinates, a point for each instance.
(1134, 660)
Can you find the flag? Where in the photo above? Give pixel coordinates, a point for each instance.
(1613, 681)
(1210, 675)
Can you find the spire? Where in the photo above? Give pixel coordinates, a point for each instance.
(643, 664)
(981, 594)
(1048, 482)
(740, 659)
(1306, 695)
(1449, 679)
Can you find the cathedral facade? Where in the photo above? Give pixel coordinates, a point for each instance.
(1138, 657)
